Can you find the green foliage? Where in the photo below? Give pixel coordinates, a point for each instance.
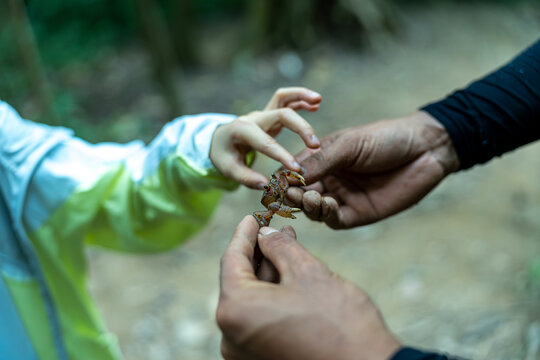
(71, 33)
(12, 80)
(73, 30)
(504, 2)
(211, 9)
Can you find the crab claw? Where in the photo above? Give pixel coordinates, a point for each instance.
(294, 175)
(283, 210)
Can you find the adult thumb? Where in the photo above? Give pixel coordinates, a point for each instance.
(283, 250)
(337, 155)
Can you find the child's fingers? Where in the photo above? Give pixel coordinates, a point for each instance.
(246, 176)
(252, 135)
(284, 96)
(302, 105)
(232, 168)
(291, 120)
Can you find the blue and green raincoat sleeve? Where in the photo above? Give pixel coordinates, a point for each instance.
(64, 192)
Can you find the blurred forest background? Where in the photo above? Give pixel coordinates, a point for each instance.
(460, 272)
(53, 53)
(100, 66)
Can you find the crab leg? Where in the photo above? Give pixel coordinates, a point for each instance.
(263, 217)
(283, 210)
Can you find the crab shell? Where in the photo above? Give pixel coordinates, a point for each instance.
(271, 194)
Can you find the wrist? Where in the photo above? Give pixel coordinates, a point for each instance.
(437, 141)
(216, 142)
(382, 345)
(361, 353)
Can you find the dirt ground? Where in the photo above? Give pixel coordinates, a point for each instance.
(455, 273)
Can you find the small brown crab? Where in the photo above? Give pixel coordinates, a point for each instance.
(274, 195)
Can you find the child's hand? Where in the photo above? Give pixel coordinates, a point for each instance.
(255, 131)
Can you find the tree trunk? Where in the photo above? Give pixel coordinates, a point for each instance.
(299, 23)
(159, 43)
(259, 20)
(182, 24)
(31, 60)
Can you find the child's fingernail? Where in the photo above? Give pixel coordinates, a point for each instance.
(267, 230)
(315, 94)
(260, 185)
(297, 165)
(315, 140)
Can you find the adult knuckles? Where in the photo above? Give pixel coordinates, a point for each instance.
(310, 267)
(317, 162)
(358, 295)
(320, 156)
(313, 267)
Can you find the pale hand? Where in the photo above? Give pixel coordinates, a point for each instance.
(256, 131)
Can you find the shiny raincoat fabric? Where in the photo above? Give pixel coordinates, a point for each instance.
(59, 193)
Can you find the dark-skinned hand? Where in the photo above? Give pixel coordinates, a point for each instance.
(366, 173)
(292, 307)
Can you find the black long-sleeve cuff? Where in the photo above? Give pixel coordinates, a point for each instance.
(495, 114)
(407, 353)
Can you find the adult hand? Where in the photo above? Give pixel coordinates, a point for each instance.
(255, 131)
(310, 313)
(364, 174)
